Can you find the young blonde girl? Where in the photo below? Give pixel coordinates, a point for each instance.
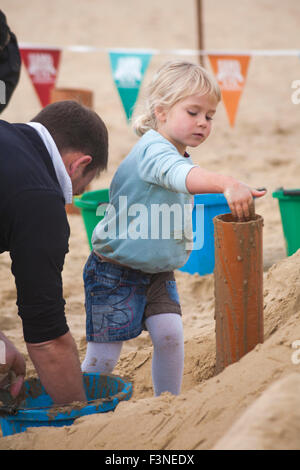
(145, 234)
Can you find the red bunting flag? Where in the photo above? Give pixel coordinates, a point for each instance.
(230, 72)
(42, 66)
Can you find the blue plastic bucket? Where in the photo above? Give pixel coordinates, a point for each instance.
(103, 392)
(202, 261)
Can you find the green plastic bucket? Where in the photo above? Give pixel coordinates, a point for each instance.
(88, 204)
(289, 206)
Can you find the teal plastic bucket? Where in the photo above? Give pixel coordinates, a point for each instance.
(104, 392)
(202, 261)
(88, 204)
(289, 206)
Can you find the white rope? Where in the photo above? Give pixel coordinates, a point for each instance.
(189, 52)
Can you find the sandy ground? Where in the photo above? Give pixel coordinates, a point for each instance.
(254, 403)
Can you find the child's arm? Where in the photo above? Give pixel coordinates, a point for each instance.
(239, 196)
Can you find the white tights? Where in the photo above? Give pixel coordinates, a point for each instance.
(166, 332)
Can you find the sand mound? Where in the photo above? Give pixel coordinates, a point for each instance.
(282, 292)
(209, 404)
(262, 150)
(272, 422)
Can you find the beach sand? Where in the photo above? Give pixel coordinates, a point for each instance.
(254, 403)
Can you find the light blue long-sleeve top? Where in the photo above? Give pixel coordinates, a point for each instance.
(148, 223)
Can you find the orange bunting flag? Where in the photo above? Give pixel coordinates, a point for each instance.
(230, 72)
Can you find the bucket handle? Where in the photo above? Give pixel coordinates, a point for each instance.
(289, 192)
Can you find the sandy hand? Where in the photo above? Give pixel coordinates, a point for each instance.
(240, 200)
(12, 367)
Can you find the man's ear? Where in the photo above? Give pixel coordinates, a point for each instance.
(80, 162)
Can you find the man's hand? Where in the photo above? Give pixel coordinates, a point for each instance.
(12, 366)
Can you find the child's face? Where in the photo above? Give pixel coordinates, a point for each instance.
(188, 122)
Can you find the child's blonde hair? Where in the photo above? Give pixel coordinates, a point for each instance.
(174, 81)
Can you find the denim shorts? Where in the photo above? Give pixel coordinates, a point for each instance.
(119, 299)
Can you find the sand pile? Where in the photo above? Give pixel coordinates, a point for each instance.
(271, 422)
(210, 403)
(254, 403)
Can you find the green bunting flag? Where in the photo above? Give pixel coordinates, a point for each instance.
(128, 70)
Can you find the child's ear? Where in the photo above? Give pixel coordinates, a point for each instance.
(160, 113)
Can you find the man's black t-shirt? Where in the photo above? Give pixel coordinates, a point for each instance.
(34, 229)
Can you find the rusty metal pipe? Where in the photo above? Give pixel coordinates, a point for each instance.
(238, 287)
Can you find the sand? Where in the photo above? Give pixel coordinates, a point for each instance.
(253, 403)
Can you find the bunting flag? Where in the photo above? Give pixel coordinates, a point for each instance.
(230, 72)
(128, 70)
(129, 67)
(42, 66)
